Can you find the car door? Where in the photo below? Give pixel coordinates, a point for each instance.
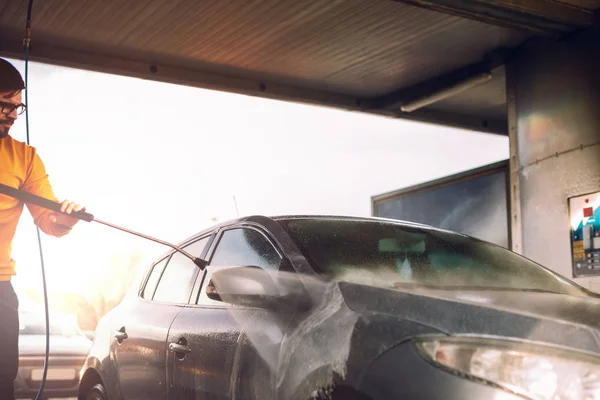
(139, 332)
(139, 347)
(216, 365)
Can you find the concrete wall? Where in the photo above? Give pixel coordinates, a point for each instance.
(554, 123)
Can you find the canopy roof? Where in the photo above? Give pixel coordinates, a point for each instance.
(366, 55)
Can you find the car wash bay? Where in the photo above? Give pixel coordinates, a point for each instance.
(526, 69)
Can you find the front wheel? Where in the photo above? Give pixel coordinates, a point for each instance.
(97, 393)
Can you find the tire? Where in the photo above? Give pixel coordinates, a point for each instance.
(97, 392)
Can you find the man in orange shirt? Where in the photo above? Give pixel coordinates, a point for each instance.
(22, 168)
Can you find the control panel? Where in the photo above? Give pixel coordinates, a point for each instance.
(584, 214)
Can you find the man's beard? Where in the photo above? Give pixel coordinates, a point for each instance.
(4, 130)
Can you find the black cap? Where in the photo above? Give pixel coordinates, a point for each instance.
(10, 77)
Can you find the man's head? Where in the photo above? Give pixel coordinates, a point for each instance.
(11, 103)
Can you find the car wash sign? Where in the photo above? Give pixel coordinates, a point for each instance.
(584, 213)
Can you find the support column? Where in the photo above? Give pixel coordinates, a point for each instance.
(553, 91)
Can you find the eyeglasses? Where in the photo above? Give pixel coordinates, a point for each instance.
(8, 108)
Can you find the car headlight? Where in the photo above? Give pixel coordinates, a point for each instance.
(536, 372)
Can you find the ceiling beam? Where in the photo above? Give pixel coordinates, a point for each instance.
(140, 67)
(46, 50)
(542, 17)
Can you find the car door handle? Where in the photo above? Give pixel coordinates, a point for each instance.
(179, 348)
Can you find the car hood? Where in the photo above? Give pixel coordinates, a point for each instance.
(545, 317)
(34, 345)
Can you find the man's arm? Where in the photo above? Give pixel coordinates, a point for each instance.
(37, 182)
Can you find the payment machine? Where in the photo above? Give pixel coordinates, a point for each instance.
(584, 213)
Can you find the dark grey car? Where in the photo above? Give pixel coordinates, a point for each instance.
(68, 350)
(352, 308)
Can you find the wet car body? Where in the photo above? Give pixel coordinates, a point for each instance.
(68, 350)
(306, 335)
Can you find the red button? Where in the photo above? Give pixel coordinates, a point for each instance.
(588, 212)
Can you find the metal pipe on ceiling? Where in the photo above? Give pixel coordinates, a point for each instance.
(459, 87)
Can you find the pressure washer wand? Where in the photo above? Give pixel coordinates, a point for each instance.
(27, 197)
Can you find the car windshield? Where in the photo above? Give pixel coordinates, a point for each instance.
(390, 255)
(31, 323)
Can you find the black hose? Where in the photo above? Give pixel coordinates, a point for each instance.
(29, 7)
(26, 43)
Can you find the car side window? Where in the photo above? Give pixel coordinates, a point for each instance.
(177, 282)
(150, 286)
(245, 246)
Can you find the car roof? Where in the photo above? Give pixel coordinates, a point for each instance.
(277, 218)
(348, 218)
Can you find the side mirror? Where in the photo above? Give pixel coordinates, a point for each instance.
(252, 286)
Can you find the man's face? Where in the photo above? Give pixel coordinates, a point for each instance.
(8, 99)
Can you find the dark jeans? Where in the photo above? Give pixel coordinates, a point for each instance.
(9, 340)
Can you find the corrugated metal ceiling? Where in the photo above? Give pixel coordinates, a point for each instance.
(357, 48)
